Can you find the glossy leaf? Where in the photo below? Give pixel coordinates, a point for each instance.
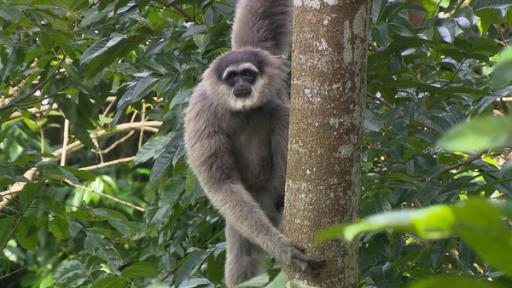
(478, 135)
(453, 281)
(141, 270)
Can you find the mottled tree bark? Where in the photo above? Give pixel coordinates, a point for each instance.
(324, 160)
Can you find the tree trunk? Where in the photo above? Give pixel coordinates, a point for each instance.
(324, 160)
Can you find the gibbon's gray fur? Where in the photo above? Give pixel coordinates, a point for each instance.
(236, 137)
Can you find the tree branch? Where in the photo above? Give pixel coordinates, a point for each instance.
(457, 165)
(108, 163)
(7, 195)
(138, 208)
(115, 144)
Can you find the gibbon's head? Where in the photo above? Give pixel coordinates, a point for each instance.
(244, 79)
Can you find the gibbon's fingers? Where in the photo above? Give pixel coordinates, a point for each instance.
(300, 248)
(306, 263)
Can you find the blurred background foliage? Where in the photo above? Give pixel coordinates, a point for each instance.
(96, 190)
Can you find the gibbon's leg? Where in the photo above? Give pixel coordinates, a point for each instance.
(244, 259)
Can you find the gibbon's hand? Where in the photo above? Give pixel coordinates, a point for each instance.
(293, 254)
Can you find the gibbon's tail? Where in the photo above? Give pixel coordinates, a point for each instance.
(264, 24)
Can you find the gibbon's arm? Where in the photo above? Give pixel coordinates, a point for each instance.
(264, 24)
(211, 158)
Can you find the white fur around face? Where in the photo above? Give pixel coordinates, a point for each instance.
(263, 89)
(225, 94)
(254, 100)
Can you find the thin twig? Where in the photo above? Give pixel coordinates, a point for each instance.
(41, 134)
(12, 273)
(115, 199)
(64, 143)
(115, 144)
(108, 163)
(457, 165)
(133, 116)
(97, 149)
(151, 126)
(110, 105)
(142, 120)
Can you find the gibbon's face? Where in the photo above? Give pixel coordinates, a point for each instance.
(241, 78)
(244, 76)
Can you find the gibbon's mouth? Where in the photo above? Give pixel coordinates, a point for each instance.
(242, 92)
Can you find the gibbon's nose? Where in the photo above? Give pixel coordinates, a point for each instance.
(242, 91)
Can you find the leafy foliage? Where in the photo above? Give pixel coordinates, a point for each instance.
(92, 96)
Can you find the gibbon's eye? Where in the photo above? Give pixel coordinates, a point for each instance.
(248, 73)
(231, 77)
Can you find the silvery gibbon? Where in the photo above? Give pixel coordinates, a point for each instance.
(236, 138)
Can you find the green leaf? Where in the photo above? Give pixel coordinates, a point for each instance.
(501, 75)
(135, 93)
(10, 13)
(257, 281)
(445, 34)
(479, 4)
(110, 281)
(435, 222)
(279, 281)
(59, 227)
(488, 100)
(6, 224)
(189, 264)
(452, 282)
(489, 16)
(152, 148)
(141, 88)
(180, 98)
(478, 135)
(157, 284)
(79, 123)
(96, 244)
(116, 220)
(485, 233)
(201, 40)
(104, 52)
(26, 232)
(194, 282)
(141, 270)
(99, 48)
(71, 274)
(161, 163)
